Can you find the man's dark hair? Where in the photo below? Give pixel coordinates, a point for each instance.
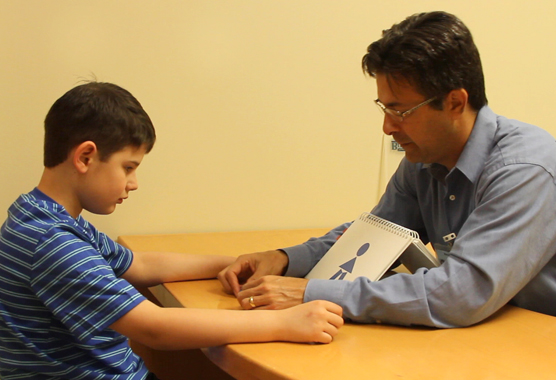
(103, 113)
(434, 52)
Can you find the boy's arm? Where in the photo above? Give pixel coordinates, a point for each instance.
(153, 268)
(184, 328)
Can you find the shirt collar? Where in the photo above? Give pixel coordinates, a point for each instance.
(51, 204)
(39, 195)
(476, 151)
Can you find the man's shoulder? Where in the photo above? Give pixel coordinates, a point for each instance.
(512, 128)
(520, 142)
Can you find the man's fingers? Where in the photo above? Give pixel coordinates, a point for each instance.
(250, 298)
(232, 281)
(251, 283)
(231, 276)
(224, 281)
(253, 302)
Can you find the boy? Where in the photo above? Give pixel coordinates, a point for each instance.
(68, 303)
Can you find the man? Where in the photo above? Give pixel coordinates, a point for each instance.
(479, 187)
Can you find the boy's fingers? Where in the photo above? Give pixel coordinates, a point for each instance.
(325, 338)
(336, 321)
(331, 330)
(334, 308)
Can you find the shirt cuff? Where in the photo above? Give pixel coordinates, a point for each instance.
(328, 290)
(299, 263)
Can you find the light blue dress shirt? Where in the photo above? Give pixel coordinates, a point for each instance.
(500, 202)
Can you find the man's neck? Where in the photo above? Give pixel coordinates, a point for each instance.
(465, 124)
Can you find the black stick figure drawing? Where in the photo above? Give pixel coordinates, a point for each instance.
(348, 265)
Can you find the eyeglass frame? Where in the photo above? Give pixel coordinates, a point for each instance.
(399, 114)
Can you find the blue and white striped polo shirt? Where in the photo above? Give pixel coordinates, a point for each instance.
(60, 292)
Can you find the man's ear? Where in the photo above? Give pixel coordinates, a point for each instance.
(83, 155)
(457, 101)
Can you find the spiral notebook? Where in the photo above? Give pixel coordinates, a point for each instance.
(369, 247)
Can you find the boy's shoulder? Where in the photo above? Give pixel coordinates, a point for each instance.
(37, 225)
(37, 212)
(34, 217)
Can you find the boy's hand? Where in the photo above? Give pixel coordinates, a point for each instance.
(251, 267)
(272, 292)
(315, 321)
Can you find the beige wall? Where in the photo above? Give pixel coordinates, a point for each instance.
(263, 115)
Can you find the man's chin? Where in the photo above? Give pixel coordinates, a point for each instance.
(412, 157)
(415, 158)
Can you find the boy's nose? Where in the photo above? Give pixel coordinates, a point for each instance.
(132, 184)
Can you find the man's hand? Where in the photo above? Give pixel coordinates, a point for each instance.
(272, 292)
(251, 267)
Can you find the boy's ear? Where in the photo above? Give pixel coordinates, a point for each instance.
(83, 155)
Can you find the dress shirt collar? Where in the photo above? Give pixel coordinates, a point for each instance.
(476, 151)
(478, 147)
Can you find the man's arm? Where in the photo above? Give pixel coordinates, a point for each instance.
(506, 241)
(252, 267)
(153, 268)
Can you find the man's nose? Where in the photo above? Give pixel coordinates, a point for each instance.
(389, 125)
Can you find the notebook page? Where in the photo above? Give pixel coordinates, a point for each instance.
(365, 249)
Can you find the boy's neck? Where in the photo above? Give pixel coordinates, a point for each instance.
(57, 183)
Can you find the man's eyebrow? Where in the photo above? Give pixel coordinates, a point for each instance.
(391, 104)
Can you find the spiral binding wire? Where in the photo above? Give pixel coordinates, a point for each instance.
(387, 225)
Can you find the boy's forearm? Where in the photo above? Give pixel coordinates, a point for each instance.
(190, 328)
(152, 268)
(184, 328)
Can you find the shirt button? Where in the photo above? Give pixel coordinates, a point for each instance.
(452, 197)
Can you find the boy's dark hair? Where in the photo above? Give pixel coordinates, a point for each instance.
(434, 52)
(103, 113)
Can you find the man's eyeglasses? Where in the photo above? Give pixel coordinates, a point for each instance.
(399, 115)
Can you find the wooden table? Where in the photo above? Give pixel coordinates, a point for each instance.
(512, 344)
